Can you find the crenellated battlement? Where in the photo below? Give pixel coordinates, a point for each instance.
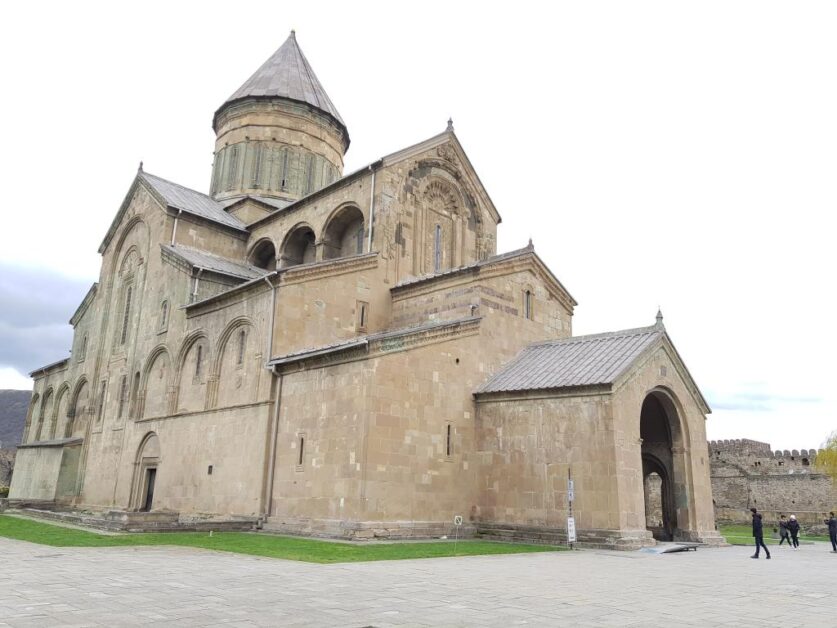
(756, 449)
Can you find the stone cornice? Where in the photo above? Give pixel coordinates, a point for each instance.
(51, 368)
(85, 303)
(364, 348)
(544, 393)
(284, 276)
(525, 259)
(328, 268)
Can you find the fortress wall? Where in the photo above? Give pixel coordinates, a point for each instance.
(747, 473)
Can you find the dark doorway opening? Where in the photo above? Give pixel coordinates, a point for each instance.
(150, 479)
(658, 469)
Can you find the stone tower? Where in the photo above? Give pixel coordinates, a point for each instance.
(278, 135)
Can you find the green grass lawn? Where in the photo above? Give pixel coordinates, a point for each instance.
(743, 535)
(290, 548)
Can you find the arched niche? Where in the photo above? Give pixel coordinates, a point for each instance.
(343, 234)
(299, 247)
(62, 405)
(79, 411)
(237, 370)
(156, 388)
(263, 255)
(193, 373)
(44, 415)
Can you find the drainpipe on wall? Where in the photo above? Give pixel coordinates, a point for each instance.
(373, 168)
(195, 288)
(274, 434)
(174, 229)
(274, 431)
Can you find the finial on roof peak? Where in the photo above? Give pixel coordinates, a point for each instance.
(140, 167)
(530, 246)
(293, 34)
(659, 318)
(450, 125)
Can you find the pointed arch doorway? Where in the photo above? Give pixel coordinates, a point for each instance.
(146, 467)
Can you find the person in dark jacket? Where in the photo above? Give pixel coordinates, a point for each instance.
(783, 531)
(832, 531)
(758, 534)
(793, 528)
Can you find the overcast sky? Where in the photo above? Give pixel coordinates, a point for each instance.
(658, 153)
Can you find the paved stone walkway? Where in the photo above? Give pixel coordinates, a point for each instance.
(45, 586)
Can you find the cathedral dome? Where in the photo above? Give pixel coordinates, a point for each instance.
(279, 134)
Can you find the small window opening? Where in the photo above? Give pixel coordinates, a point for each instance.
(362, 314)
(123, 395)
(301, 450)
(101, 410)
(242, 340)
(209, 470)
(359, 240)
(164, 315)
(805, 462)
(198, 360)
(448, 443)
(83, 349)
(527, 304)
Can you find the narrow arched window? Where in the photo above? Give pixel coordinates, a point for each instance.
(257, 165)
(126, 313)
(437, 249)
(164, 315)
(301, 450)
(82, 351)
(527, 304)
(232, 167)
(242, 341)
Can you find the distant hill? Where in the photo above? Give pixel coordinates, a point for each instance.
(13, 407)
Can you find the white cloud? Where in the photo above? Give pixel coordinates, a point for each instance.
(10, 379)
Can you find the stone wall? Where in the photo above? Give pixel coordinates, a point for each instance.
(747, 473)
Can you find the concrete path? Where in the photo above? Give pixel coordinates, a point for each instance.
(45, 586)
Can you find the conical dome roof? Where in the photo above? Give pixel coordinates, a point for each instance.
(287, 74)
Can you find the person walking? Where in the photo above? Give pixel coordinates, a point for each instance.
(783, 531)
(793, 528)
(832, 531)
(758, 534)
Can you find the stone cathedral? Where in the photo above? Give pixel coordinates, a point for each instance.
(347, 355)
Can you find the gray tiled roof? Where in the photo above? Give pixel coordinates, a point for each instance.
(287, 74)
(191, 201)
(581, 361)
(215, 263)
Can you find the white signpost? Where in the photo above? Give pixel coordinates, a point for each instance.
(457, 521)
(570, 499)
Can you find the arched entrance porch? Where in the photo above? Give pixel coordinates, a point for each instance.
(664, 468)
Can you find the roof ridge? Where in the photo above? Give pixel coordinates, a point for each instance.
(622, 333)
(143, 173)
